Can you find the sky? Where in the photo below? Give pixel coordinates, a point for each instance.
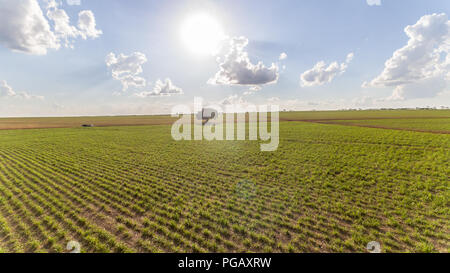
(117, 57)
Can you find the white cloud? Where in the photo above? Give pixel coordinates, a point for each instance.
(7, 91)
(321, 73)
(236, 68)
(397, 94)
(166, 88)
(61, 24)
(273, 99)
(252, 90)
(73, 2)
(24, 28)
(283, 56)
(373, 2)
(364, 101)
(255, 88)
(127, 68)
(50, 4)
(233, 104)
(87, 25)
(232, 100)
(349, 57)
(422, 67)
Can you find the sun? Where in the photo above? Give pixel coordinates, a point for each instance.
(201, 34)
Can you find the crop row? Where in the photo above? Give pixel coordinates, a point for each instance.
(134, 189)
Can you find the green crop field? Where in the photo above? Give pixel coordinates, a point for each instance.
(437, 125)
(327, 188)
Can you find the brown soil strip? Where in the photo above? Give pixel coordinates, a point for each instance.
(47, 126)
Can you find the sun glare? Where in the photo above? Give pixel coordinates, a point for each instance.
(201, 34)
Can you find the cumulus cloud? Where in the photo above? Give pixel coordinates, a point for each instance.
(421, 68)
(61, 24)
(283, 56)
(50, 4)
(321, 73)
(87, 25)
(24, 28)
(127, 68)
(236, 68)
(373, 2)
(166, 88)
(397, 94)
(8, 91)
(232, 100)
(233, 104)
(349, 57)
